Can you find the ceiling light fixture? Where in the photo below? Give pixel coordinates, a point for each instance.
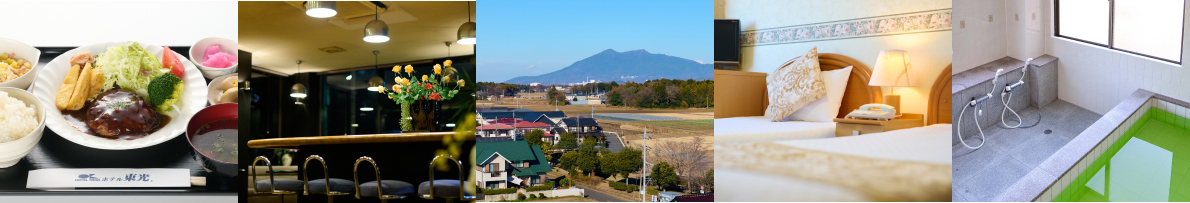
(376, 31)
(376, 82)
(320, 9)
(298, 90)
(467, 30)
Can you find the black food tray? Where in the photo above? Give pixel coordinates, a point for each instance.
(53, 151)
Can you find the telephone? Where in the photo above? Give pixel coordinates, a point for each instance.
(873, 112)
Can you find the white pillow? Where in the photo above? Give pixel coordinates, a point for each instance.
(826, 108)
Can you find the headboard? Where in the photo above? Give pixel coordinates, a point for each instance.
(740, 93)
(940, 107)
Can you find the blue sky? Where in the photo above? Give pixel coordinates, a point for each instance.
(527, 37)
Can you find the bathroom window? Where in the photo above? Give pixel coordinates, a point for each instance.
(1148, 28)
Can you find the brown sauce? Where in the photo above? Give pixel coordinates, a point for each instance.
(77, 119)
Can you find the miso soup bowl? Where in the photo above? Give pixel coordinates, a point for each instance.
(220, 116)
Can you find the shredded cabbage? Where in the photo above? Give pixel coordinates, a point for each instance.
(129, 65)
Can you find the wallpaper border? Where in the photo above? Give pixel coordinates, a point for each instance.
(896, 24)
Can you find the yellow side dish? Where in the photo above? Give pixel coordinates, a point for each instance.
(11, 68)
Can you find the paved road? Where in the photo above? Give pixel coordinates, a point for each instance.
(613, 142)
(599, 196)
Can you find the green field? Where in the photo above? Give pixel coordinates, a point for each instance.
(705, 124)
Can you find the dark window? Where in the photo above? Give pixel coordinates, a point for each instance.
(1148, 28)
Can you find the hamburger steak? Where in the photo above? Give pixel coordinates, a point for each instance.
(120, 112)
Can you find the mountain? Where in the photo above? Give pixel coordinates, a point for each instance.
(635, 65)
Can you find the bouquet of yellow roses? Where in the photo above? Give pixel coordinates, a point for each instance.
(430, 87)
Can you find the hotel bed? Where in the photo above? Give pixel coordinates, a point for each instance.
(740, 97)
(759, 128)
(758, 160)
(901, 165)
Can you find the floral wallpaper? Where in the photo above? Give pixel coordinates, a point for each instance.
(924, 21)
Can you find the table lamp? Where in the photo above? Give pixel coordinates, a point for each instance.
(892, 70)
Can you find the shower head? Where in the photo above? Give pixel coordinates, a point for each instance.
(997, 76)
(1027, 62)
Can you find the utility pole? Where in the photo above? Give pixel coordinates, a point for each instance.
(644, 164)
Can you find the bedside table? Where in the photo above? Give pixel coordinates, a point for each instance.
(849, 127)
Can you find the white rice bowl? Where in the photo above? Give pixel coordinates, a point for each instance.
(17, 118)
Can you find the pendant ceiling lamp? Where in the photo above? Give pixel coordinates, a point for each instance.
(376, 31)
(320, 9)
(298, 90)
(467, 30)
(376, 82)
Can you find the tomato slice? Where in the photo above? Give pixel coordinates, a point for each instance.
(170, 61)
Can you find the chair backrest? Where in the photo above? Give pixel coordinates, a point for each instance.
(379, 185)
(459, 167)
(272, 183)
(325, 176)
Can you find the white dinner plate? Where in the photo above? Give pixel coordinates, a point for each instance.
(49, 79)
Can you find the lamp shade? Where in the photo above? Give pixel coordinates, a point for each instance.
(320, 9)
(376, 32)
(375, 83)
(298, 91)
(467, 33)
(892, 70)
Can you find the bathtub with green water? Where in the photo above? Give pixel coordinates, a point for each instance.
(1149, 161)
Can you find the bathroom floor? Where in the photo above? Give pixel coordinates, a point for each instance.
(981, 175)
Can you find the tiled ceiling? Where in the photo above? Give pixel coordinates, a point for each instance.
(279, 33)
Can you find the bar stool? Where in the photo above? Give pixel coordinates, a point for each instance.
(385, 189)
(445, 188)
(332, 186)
(280, 187)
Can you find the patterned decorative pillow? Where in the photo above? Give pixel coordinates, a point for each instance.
(794, 86)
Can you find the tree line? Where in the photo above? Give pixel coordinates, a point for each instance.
(664, 93)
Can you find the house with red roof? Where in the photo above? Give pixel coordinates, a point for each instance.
(494, 130)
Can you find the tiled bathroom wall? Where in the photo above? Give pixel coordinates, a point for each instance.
(1023, 28)
(993, 29)
(1040, 89)
(976, 83)
(979, 25)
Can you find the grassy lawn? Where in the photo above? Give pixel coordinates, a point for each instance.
(706, 124)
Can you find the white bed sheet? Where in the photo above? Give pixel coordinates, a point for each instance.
(760, 128)
(930, 144)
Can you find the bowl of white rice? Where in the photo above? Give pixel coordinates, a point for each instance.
(22, 120)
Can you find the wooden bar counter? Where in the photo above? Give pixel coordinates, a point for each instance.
(297, 142)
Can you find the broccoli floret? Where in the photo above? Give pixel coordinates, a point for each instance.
(162, 88)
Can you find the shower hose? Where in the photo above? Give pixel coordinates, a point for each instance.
(1006, 96)
(976, 112)
(960, 127)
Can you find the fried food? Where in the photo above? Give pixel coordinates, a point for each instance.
(62, 99)
(81, 88)
(96, 82)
